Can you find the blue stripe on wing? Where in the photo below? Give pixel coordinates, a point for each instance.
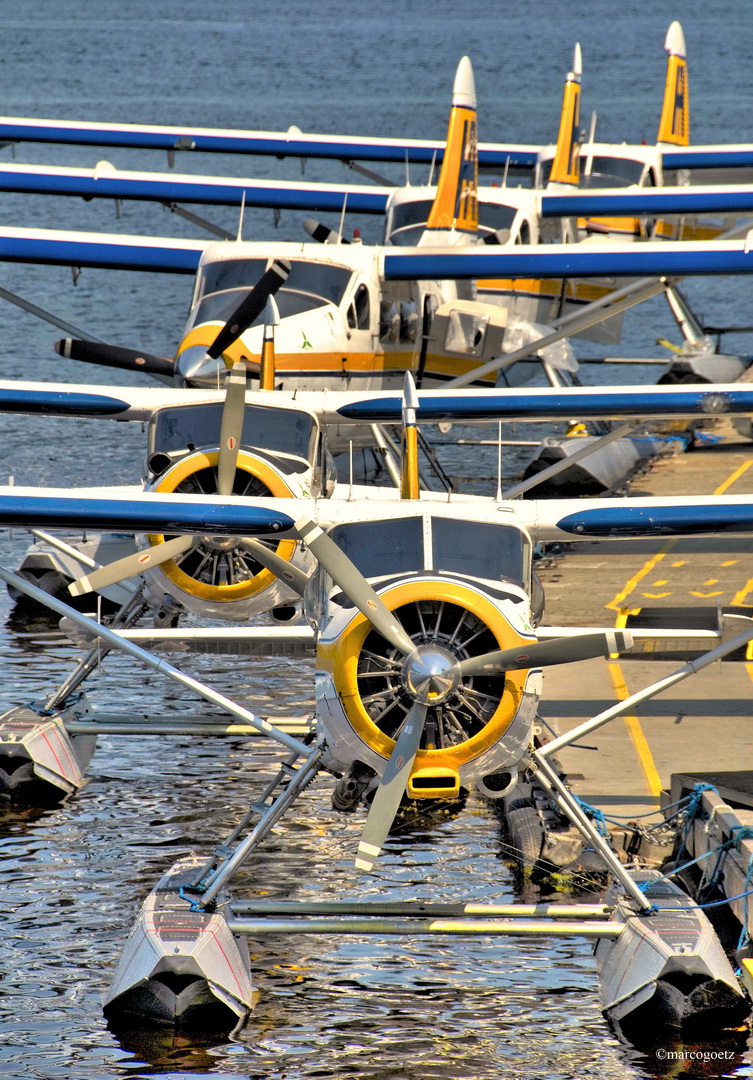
(639, 261)
(436, 406)
(141, 515)
(110, 256)
(626, 520)
(60, 403)
(648, 202)
(229, 142)
(112, 186)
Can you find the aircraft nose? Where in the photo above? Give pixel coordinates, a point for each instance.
(431, 674)
(196, 367)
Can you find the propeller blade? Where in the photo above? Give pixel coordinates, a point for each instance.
(250, 307)
(355, 586)
(293, 577)
(322, 233)
(231, 428)
(563, 650)
(131, 565)
(391, 788)
(95, 352)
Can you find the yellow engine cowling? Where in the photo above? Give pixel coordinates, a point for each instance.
(218, 578)
(361, 702)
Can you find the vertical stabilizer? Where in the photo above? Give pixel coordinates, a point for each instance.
(455, 206)
(566, 164)
(674, 126)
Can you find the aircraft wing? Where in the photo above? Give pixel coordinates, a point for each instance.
(646, 202)
(112, 510)
(655, 259)
(721, 164)
(280, 144)
(380, 407)
(107, 182)
(113, 252)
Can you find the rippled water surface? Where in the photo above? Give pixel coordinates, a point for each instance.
(71, 879)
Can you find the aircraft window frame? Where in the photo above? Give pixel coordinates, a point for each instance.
(289, 436)
(295, 297)
(362, 543)
(407, 222)
(452, 541)
(359, 313)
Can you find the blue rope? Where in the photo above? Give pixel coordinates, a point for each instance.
(709, 903)
(193, 903)
(595, 813)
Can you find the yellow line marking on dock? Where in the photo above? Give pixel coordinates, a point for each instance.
(635, 731)
(632, 723)
(735, 476)
(739, 597)
(632, 584)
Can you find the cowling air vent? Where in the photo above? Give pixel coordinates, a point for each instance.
(222, 568)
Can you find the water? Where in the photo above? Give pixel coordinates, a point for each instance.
(71, 879)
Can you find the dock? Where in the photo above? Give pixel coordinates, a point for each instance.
(700, 730)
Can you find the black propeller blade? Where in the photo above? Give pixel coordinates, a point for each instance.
(95, 352)
(250, 307)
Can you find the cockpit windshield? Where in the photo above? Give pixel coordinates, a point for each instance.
(383, 547)
(223, 285)
(603, 172)
(493, 552)
(284, 431)
(471, 549)
(408, 220)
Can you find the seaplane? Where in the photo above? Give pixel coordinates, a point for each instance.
(424, 621)
(362, 329)
(715, 162)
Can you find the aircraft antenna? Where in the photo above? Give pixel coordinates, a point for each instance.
(342, 219)
(239, 237)
(591, 139)
(507, 169)
(431, 170)
(350, 463)
(407, 170)
(499, 458)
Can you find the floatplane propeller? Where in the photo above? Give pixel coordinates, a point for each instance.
(428, 678)
(192, 362)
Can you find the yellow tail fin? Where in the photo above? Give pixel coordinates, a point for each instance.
(455, 205)
(566, 164)
(674, 126)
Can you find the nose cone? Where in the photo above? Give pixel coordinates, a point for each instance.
(431, 674)
(675, 40)
(464, 89)
(195, 368)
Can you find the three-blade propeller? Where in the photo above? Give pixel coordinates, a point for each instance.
(231, 430)
(250, 308)
(94, 352)
(394, 781)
